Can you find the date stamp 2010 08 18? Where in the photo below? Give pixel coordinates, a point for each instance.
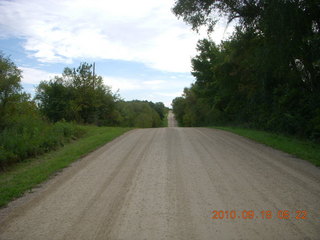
(265, 214)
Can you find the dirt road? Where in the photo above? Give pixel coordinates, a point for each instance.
(171, 120)
(165, 184)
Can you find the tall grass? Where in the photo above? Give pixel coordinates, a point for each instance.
(29, 135)
(165, 120)
(23, 176)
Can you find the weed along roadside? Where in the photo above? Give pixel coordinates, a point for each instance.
(25, 175)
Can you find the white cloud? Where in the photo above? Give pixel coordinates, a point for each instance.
(170, 94)
(129, 84)
(122, 84)
(142, 30)
(34, 76)
(154, 82)
(151, 90)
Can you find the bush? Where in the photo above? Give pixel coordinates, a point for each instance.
(29, 135)
(139, 114)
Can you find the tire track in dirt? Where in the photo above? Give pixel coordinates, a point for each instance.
(164, 184)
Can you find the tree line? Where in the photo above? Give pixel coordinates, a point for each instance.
(80, 96)
(265, 76)
(31, 126)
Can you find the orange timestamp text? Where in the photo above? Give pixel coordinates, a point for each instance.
(265, 214)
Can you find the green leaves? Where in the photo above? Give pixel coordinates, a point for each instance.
(10, 88)
(76, 96)
(141, 114)
(265, 76)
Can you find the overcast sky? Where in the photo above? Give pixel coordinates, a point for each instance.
(139, 47)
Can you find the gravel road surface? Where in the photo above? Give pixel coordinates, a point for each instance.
(171, 120)
(166, 183)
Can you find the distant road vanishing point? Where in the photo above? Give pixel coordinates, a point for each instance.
(171, 120)
(173, 183)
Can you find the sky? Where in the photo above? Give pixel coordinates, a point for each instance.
(140, 48)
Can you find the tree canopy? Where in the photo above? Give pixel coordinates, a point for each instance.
(266, 75)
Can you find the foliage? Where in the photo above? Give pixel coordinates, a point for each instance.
(23, 131)
(77, 96)
(29, 128)
(159, 108)
(141, 114)
(267, 75)
(26, 175)
(10, 89)
(29, 136)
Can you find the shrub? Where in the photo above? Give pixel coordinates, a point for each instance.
(29, 135)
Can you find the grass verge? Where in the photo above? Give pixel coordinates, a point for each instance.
(25, 175)
(300, 148)
(165, 120)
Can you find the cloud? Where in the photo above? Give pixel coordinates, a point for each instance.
(129, 84)
(151, 90)
(169, 94)
(34, 76)
(122, 84)
(154, 82)
(61, 31)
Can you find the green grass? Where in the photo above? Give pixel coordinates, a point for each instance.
(165, 120)
(24, 176)
(303, 149)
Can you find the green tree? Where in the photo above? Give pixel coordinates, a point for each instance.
(159, 108)
(10, 88)
(138, 114)
(78, 96)
(55, 99)
(291, 28)
(267, 75)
